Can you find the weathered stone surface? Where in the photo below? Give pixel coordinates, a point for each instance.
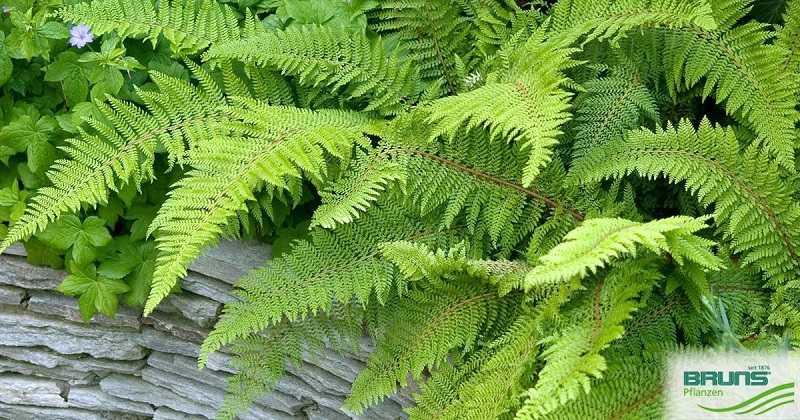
(136, 389)
(94, 398)
(208, 286)
(232, 260)
(49, 359)
(24, 412)
(176, 325)
(22, 390)
(16, 249)
(15, 271)
(187, 367)
(324, 413)
(72, 377)
(24, 329)
(10, 295)
(165, 413)
(201, 310)
(189, 388)
(167, 343)
(49, 303)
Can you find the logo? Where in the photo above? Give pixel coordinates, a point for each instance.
(733, 386)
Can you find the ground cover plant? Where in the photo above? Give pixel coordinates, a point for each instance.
(526, 205)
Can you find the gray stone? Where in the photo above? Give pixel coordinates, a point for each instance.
(21, 390)
(10, 295)
(23, 412)
(208, 286)
(199, 309)
(72, 377)
(177, 326)
(165, 413)
(15, 271)
(50, 360)
(136, 389)
(187, 368)
(94, 398)
(24, 329)
(167, 343)
(232, 260)
(16, 249)
(319, 412)
(191, 389)
(66, 307)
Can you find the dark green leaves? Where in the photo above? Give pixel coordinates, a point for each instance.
(82, 238)
(33, 136)
(97, 292)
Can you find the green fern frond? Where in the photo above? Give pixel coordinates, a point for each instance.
(573, 356)
(789, 40)
(434, 32)
(753, 205)
(598, 241)
(120, 148)
(612, 18)
(333, 267)
(429, 322)
(741, 70)
(361, 69)
(261, 359)
(609, 107)
(266, 146)
(527, 106)
(189, 25)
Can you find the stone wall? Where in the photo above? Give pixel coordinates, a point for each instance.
(53, 366)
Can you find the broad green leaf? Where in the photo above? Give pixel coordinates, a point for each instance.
(40, 253)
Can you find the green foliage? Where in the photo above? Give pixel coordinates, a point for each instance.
(526, 207)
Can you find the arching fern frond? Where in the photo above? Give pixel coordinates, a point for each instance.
(597, 241)
(572, 357)
(528, 106)
(429, 322)
(120, 148)
(189, 25)
(753, 205)
(360, 69)
(789, 39)
(261, 359)
(337, 266)
(266, 146)
(741, 70)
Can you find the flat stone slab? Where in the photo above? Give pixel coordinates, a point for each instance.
(72, 377)
(176, 325)
(65, 307)
(25, 329)
(137, 389)
(209, 287)
(49, 359)
(24, 412)
(232, 260)
(10, 295)
(15, 271)
(24, 390)
(94, 398)
(198, 309)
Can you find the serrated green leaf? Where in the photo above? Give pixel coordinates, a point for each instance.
(53, 30)
(40, 253)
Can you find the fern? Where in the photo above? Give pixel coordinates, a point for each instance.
(189, 26)
(120, 148)
(753, 207)
(266, 146)
(360, 67)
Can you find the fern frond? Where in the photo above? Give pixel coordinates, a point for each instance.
(435, 33)
(428, 323)
(608, 107)
(120, 148)
(361, 69)
(789, 40)
(261, 359)
(573, 354)
(527, 106)
(753, 205)
(597, 241)
(267, 146)
(333, 267)
(741, 70)
(189, 25)
(612, 18)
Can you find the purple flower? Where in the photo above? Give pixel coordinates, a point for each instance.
(80, 36)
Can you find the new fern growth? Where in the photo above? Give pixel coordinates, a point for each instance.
(526, 227)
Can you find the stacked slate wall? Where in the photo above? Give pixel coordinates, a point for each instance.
(53, 366)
